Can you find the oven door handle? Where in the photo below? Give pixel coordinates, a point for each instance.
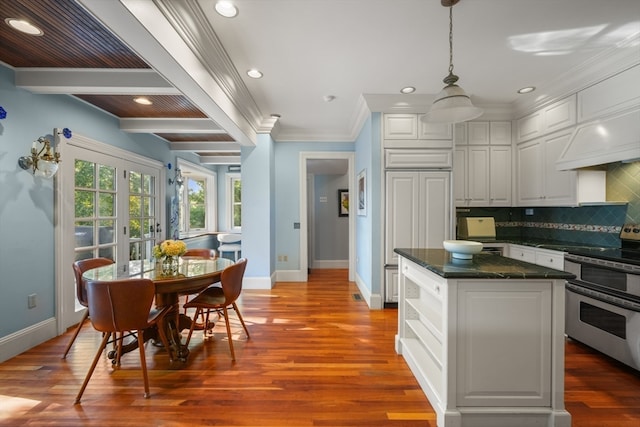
(576, 288)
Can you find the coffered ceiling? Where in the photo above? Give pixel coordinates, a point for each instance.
(326, 63)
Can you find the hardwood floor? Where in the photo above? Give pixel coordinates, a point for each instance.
(317, 357)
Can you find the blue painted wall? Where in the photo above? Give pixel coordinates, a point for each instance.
(27, 202)
(368, 229)
(287, 195)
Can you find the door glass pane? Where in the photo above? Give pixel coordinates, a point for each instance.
(135, 182)
(107, 204)
(106, 233)
(107, 178)
(95, 210)
(142, 219)
(84, 174)
(84, 203)
(134, 228)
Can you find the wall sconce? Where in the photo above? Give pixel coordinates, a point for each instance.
(43, 160)
(179, 179)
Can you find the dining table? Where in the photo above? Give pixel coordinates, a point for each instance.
(194, 274)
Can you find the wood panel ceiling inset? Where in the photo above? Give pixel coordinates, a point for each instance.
(196, 137)
(164, 106)
(72, 38)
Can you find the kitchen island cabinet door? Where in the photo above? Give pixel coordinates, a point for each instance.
(503, 329)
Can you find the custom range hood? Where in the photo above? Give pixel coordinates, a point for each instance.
(615, 138)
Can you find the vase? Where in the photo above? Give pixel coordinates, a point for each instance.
(170, 266)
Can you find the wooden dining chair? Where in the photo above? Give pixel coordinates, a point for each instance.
(124, 305)
(79, 267)
(221, 298)
(198, 253)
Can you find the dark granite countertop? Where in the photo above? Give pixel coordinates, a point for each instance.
(482, 266)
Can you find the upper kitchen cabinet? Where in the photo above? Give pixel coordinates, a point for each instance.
(482, 164)
(553, 117)
(482, 133)
(538, 181)
(408, 131)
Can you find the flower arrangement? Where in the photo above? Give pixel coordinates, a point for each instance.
(169, 248)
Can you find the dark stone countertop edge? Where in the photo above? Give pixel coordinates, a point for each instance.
(483, 266)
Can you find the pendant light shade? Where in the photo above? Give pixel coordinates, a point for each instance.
(452, 104)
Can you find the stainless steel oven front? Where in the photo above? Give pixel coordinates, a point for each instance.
(603, 307)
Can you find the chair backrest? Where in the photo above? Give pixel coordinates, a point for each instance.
(120, 305)
(231, 280)
(79, 267)
(201, 253)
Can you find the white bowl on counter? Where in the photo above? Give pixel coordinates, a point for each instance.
(462, 249)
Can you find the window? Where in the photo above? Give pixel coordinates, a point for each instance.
(234, 201)
(196, 200)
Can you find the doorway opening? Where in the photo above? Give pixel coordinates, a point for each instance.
(318, 171)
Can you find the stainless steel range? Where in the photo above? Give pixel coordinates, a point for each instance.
(603, 301)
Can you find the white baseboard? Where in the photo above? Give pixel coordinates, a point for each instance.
(27, 338)
(258, 282)
(330, 263)
(290, 276)
(374, 301)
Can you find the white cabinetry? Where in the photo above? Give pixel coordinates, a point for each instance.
(417, 211)
(407, 131)
(538, 182)
(553, 117)
(417, 162)
(468, 340)
(544, 257)
(613, 94)
(482, 164)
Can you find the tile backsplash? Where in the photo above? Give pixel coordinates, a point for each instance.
(595, 225)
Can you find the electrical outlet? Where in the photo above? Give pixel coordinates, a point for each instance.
(31, 301)
(286, 258)
(279, 258)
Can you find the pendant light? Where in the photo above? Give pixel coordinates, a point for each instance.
(452, 104)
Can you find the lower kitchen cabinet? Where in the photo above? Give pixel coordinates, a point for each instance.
(486, 351)
(544, 257)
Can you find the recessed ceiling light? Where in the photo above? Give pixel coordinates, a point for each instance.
(527, 89)
(254, 74)
(24, 26)
(226, 9)
(275, 116)
(142, 100)
(328, 98)
(408, 89)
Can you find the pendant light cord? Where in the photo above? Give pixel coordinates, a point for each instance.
(451, 39)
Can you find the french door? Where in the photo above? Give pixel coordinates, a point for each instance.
(110, 206)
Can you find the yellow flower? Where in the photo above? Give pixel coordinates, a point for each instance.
(169, 248)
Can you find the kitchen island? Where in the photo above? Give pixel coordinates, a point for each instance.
(484, 338)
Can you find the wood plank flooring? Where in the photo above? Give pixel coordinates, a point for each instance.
(317, 356)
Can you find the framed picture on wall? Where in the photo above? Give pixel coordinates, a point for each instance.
(343, 202)
(362, 192)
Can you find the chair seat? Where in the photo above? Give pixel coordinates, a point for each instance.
(213, 296)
